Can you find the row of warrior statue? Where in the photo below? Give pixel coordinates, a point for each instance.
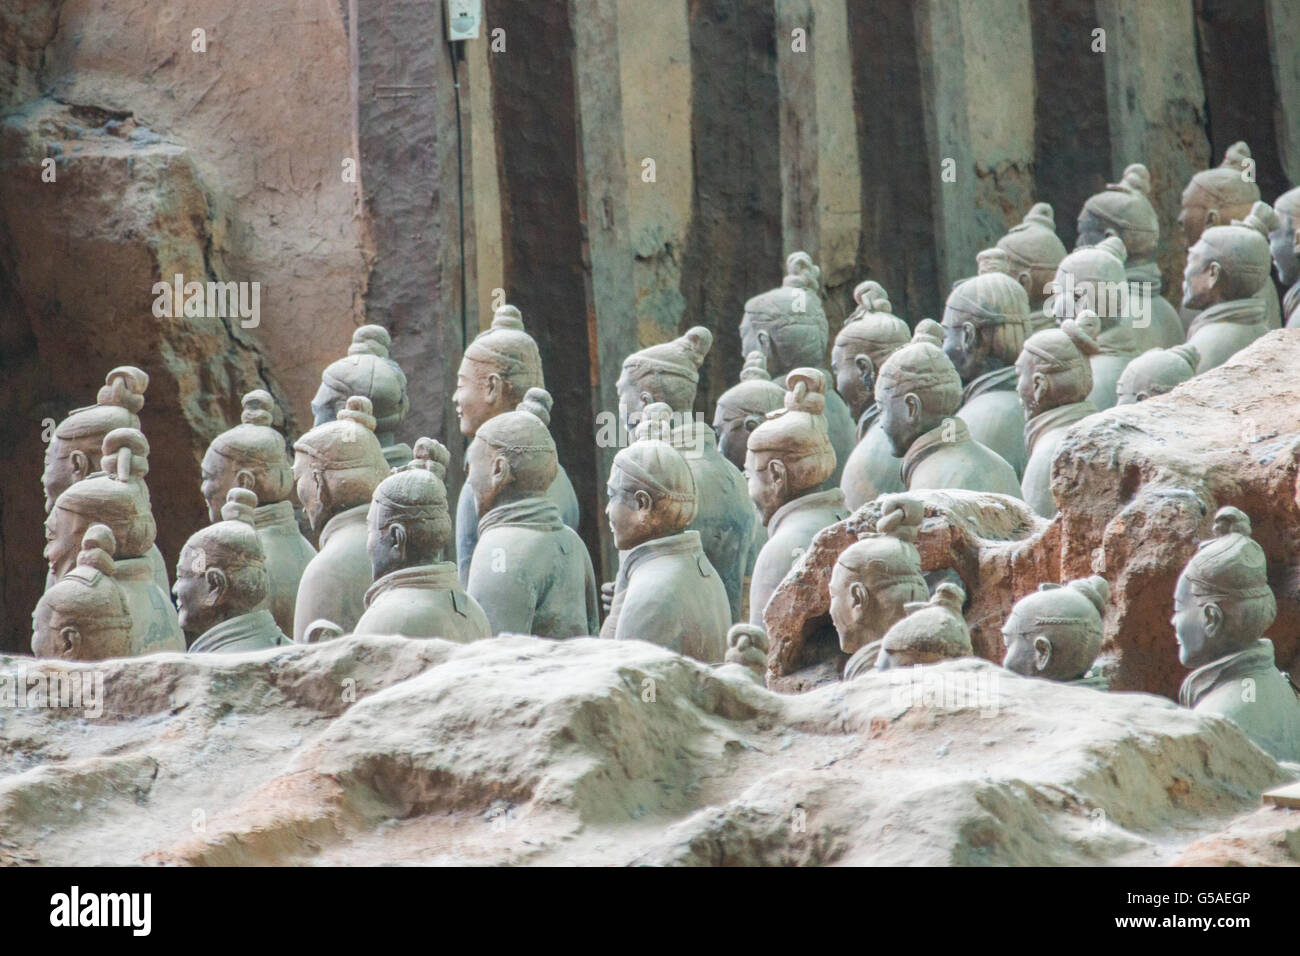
(708, 519)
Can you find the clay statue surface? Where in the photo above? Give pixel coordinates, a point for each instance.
(408, 526)
(118, 497)
(530, 572)
(1095, 275)
(1225, 269)
(368, 371)
(919, 392)
(337, 467)
(499, 367)
(790, 457)
(84, 616)
(788, 325)
(1217, 197)
(1284, 244)
(1155, 372)
(985, 324)
(932, 631)
(222, 586)
(1055, 632)
(666, 376)
(1034, 251)
(1222, 607)
(731, 531)
(874, 581)
(743, 407)
(77, 444)
(1054, 378)
(252, 455)
(1124, 210)
(870, 335)
(666, 591)
(747, 647)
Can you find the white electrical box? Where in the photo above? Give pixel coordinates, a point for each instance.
(464, 17)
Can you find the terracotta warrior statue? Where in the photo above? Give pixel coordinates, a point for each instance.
(985, 324)
(415, 592)
(1096, 276)
(1155, 372)
(874, 580)
(118, 497)
(367, 370)
(1225, 270)
(337, 467)
(1222, 607)
(932, 631)
(668, 372)
(84, 616)
(1124, 210)
(731, 531)
(743, 407)
(870, 335)
(222, 586)
(1284, 243)
(1034, 251)
(77, 444)
(1055, 632)
(500, 365)
(1054, 378)
(790, 458)
(919, 392)
(666, 376)
(666, 591)
(531, 572)
(788, 325)
(1217, 197)
(252, 455)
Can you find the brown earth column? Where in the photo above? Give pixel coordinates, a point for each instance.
(534, 90)
(412, 184)
(734, 247)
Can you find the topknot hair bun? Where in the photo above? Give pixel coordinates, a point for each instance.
(360, 410)
(1231, 521)
(1236, 156)
(656, 422)
(1115, 246)
(1040, 215)
(802, 273)
(1083, 331)
(97, 548)
(698, 340)
(431, 455)
(929, 331)
(508, 317)
(125, 453)
(537, 402)
(240, 505)
(1261, 218)
(259, 408)
(900, 516)
(1095, 588)
(755, 368)
(806, 391)
(1136, 179)
(993, 260)
(872, 297)
(370, 340)
(949, 596)
(124, 387)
